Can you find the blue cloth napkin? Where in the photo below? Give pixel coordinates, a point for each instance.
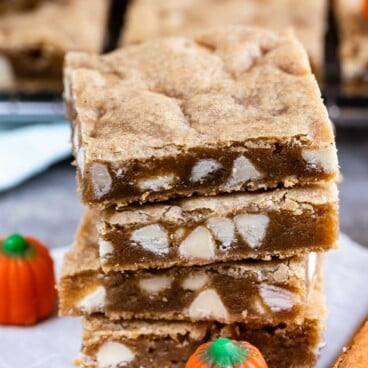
(28, 150)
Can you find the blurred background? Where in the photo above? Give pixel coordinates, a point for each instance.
(37, 181)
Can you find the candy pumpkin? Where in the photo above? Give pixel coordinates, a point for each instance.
(225, 353)
(27, 281)
(365, 9)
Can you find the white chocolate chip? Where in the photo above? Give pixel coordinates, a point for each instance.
(312, 266)
(195, 282)
(155, 284)
(156, 183)
(153, 238)
(325, 159)
(223, 230)
(252, 228)
(81, 161)
(114, 355)
(243, 171)
(179, 234)
(208, 305)
(67, 89)
(198, 244)
(202, 169)
(6, 72)
(277, 298)
(91, 114)
(258, 306)
(76, 139)
(101, 180)
(94, 302)
(105, 249)
(120, 172)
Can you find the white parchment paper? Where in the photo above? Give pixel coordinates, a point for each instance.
(54, 343)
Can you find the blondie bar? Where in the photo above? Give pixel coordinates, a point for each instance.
(144, 344)
(202, 230)
(353, 27)
(148, 19)
(234, 109)
(356, 353)
(261, 292)
(33, 43)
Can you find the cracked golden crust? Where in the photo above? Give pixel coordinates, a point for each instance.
(147, 19)
(294, 200)
(353, 29)
(170, 95)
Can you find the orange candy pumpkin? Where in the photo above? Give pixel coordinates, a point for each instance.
(225, 353)
(365, 9)
(27, 281)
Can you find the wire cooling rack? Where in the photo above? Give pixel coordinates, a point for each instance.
(42, 107)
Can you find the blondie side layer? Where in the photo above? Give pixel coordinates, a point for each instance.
(353, 29)
(144, 344)
(261, 292)
(33, 43)
(147, 19)
(235, 109)
(202, 230)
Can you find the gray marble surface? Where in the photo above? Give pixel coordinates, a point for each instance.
(49, 208)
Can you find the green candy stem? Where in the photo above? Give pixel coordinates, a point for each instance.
(223, 353)
(15, 245)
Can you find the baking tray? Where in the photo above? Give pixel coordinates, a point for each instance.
(343, 110)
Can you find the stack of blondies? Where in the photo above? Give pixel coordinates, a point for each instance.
(208, 165)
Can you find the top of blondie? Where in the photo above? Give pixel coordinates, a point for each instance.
(294, 200)
(148, 19)
(231, 85)
(64, 25)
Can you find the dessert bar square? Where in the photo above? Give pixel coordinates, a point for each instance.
(234, 109)
(202, 230)
(261, 292)
(353, 27)
(148, 19)
(143, 344)
(33, 43)
(355, 354)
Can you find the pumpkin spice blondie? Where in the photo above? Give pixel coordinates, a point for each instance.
(353, 27)
(33, 42)
(136, 344)
(203, 230)
(147, 19)
(261, 292)
(234, 109)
